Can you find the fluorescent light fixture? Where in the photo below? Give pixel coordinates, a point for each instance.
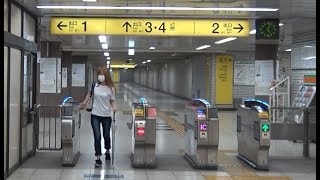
(311, 57)
(110, 70)
(288, 50)
(161, 8)
(122, 66)
(135, 65)
(108, 66)
(102, 39)
(108, 58)
(106, 54)
(281, 24)
(308, 46)
(125, 68)
(89, 0)
(104, 46)
(131, 52)
(253, 31)
(174, 54)
(149, 60)
(108, 62)
(131, 43)
(152, 47)
(203, 47)
(130, 59)
(226, 40)
(144, 62)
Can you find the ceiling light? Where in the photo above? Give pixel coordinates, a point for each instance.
(130, 59)
(253, 31)
(106, 54)
(308, 46)
(102, 39)
(152, 47)
(288, 50)
(108, 62)
(131, 52)
(226, 40)
(174, 54)
(122, 66)
(108, 58)
(104, 46)
(149, 60)
(125, 68)
(281, 24)
(135, 65)
(144, 62)
(110, 70)
(161, 8)
(108, 66)
(311, 57)
(203, 47)
(131, 43)
(89, 0)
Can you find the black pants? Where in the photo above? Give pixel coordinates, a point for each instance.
(106, 124)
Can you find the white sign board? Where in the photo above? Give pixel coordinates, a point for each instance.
(78, 75)
(263, 76)
(48, 75)
(243, 74)
(64, 77)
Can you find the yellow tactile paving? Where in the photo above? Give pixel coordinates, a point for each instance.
(179, 128)
(246, 178)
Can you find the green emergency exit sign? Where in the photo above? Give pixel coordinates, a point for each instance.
(265, 127)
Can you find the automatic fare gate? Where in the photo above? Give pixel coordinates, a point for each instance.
(143, 135)
(70, 132)
(253, 133)
(201, 135)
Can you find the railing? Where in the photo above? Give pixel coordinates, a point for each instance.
(48, 127)
(307, 136)
(279, 98)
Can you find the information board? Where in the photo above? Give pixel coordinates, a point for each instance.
(243, 74)
(224, 82)
(78, 75)
(263, 76)
(48, 75)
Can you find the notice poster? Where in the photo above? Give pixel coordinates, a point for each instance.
(58, 75)
(116, 76)
(48, 75)
(263, 76)
(243, 74)
(224, 81)
(78, 75)
(64, 77)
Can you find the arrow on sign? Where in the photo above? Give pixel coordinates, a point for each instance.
(126, 24)
(265, 127)
(239, 28)
(60, 25)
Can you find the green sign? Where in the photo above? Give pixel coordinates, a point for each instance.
(265, 127)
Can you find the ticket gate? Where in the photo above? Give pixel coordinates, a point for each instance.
(143, 135)
(253, 133)
(70, 132)
(201, 135)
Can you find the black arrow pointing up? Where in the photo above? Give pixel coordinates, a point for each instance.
(239, 28)
(60, 25)
(126, 24)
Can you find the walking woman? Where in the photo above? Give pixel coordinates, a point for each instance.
(103, 96)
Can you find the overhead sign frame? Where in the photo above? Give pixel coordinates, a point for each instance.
(149, 26)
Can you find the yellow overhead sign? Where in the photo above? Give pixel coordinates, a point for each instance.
(149, 27)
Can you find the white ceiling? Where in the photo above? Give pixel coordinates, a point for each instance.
(299, 18)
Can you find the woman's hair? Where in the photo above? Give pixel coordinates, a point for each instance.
(103, 70)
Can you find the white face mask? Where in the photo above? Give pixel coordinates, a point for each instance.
(101, 78)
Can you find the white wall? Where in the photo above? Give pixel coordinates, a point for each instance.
(5, 62)
(15, 20)
(14, 117)
(5, 15)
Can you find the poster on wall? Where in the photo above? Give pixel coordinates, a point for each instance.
(48, 75)
(224, 82)
(58, 75)
(64, 77)
(78, 75)
(116, 76)
(243, 74)
(263, 76)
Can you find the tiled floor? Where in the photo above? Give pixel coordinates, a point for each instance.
(286, 161)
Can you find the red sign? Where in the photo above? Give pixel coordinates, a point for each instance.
(309, 79)
(140, 131)
(152, 112)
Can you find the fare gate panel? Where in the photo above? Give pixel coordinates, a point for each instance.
(201, 134)
(143, 135)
